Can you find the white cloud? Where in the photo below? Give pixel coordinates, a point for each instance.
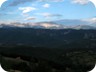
(90, 20)
(31, 18)
(46, 14)
(46, 5)
(48, 25)
(27, 9)
(82, 2)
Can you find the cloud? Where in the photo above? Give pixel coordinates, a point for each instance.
(31, 18)
(90, 20)
(17, 2)
(82, 2)
(27, 9)
(25, 14)
(48, 15)
(45, 14)
(46, 5)
(49, 25)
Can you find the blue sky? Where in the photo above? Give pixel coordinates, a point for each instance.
(45, 10)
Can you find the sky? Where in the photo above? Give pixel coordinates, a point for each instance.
(46, 10)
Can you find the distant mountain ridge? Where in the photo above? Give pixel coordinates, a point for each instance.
(59, 24)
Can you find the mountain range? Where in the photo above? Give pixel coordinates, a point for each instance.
(59, 24)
